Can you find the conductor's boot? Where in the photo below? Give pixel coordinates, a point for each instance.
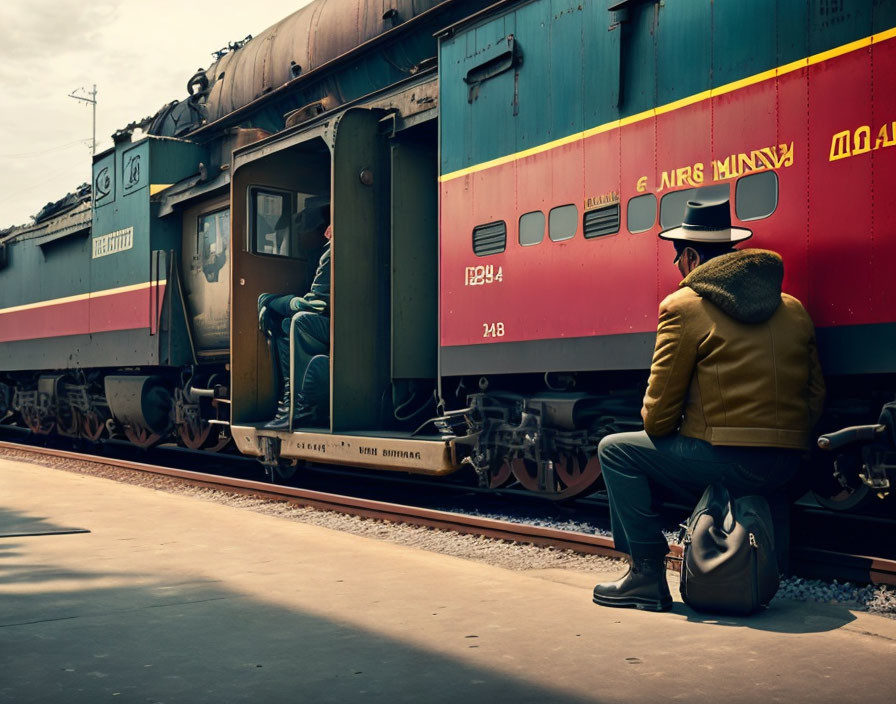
(643, 587)
(280, 358)
(281, 418)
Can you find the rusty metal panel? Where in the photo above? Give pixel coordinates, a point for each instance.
(302, 42)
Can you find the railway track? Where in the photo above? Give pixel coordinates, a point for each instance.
(805, 561)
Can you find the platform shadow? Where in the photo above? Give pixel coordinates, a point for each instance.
(16, 524)
(781, 616)
(182, 638)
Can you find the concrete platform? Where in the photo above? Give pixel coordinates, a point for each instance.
(174, 599)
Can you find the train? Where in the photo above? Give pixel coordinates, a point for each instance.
(496, 175)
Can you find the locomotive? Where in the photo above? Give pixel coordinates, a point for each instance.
(496, 176)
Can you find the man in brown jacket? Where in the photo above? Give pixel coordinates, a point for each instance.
(734, 390)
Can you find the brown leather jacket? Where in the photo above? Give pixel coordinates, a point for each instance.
(735, 361)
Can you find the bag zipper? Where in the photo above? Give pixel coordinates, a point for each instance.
(754, 581)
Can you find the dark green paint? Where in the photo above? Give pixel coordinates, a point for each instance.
(581, 68)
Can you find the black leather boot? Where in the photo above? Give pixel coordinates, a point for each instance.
(280, 358)
(643, 587)
(281, 418)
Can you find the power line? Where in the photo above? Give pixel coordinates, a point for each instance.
(24, 155)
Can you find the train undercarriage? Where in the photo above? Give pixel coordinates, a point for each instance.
(145, 407)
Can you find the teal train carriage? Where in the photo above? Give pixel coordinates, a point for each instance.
(127, 314)
(496, 176)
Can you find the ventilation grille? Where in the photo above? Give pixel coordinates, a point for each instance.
(490, 239)
(601, 221)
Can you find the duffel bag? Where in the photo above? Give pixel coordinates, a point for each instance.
(729, 564)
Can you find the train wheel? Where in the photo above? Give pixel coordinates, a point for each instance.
(142, 437)
(217, 442)
(573, 476)
(69, 424)
(92, 426)
(192, 436)
(843, 489)
(578, 473)
(37, 424)
(203, 438)
(500, 477)
(846, 498)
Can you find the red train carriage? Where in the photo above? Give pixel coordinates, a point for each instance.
(570, 136)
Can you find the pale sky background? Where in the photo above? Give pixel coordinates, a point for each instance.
(140, 55)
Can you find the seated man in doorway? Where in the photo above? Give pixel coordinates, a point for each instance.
(735, 387)
(298, 329)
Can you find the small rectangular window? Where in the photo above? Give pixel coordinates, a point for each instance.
(601, 221)
(490, 238)
(756, 195)
(270, 221)
(641, 213)
(563, 222)
(672, 207)
(213, 239)
(532, 228)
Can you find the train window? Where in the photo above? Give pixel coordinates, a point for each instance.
(490, 238)
(213, 234)
(270, 219)
(756, 195)
(532, 228)
(672, 207)
(564, 221)
(601, 221)
(641, 213)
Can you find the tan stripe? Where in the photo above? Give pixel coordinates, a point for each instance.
(82, 297)
(678, 104)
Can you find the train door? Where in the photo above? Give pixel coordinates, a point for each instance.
(413, 201)
(206, 272)
(360, 297)
(276, 188)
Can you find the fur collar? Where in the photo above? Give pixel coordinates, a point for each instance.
(745, 284)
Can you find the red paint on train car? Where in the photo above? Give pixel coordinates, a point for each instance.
(125, 310)
(832, 224)
(839, 273)
(883, 170)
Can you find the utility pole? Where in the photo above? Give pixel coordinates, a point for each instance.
(91, 100)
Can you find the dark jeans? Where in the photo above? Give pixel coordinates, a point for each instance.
(639, 470)
(310, 338)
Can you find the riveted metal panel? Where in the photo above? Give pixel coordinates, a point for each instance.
(684, 44)
(638, 57)
(415, 257)
(883, 176)
(836, 22)
(360, 297)
(840, 195)
(733, 21)
(791, 220)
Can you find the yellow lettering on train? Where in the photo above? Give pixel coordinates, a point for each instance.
(848, 143)
(785, 155)
(642, 184)
(884, 140)
(682, 176)
(861, 140)
(840, 146)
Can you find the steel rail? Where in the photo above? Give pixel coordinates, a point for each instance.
(808, 561)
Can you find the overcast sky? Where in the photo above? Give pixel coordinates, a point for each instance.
(139, 54)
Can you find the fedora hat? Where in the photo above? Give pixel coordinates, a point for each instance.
(707, 218)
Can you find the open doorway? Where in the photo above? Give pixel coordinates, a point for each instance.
(281, 206)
